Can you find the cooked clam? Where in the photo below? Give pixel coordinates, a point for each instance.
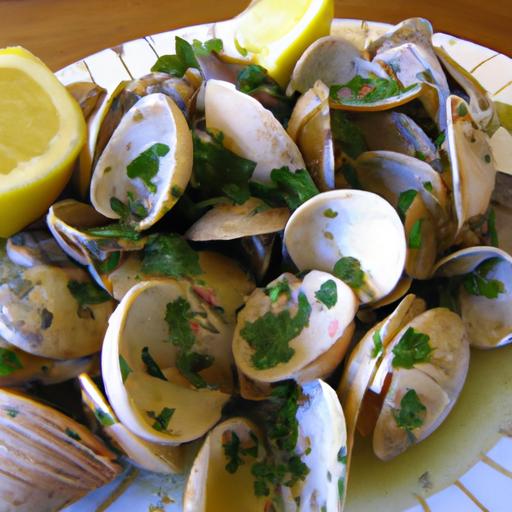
(275, 331)
(155, 457)
(47, 460)
(356, 235)
(146, 164)
(481, 284)
(166, 362)
(250, 130)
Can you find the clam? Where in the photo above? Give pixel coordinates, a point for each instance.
(18, 367)
(146, 164)
(234, 463)
(166, 362)
(472, 166)
(356, 235)
(333, 60)
(47, 459)
(154, 457)
(231, 221)
(286, 327)
(481, 281)
(250, 130)
(88, 95)
(54, 312)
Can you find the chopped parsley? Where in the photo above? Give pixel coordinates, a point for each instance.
(420, 156)
(124, 367)
(231, 445)
(178, 316)
(104, 417)
(253, 77)
(415, 239)
(11, 411)
(350, 174)
(487, 159)
(9, 362)
(72, 434)
(170, 255)
(347, 134)
(413, 348)
(476, 282)
(462, 110)
(378, 347)
(218, 171)
(405, 200)
(349, 270)
(288, 188)
(110, 263)
(427, 185)
(364, 91)
(115, 230)
(491, 228)
(411, 414)
(147, 164)
(151, 365)
(87, 293)
(161, 420)
(278, 289)
(440, 140)
(330, 213)
(202, 49)
(176, 65)
(271, 334)
(190, 363)
(328, 294)
(176, 192)
(342, 455)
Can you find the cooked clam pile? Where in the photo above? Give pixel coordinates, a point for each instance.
(232, 252)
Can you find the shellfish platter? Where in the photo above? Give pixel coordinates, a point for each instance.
(279, 277)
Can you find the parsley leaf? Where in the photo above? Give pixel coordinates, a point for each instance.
(330, 213)
(491, 228)
(411, 414)
(231, 445)
(476, 282)
(405, 199)
(288, 188)
(9, 362)
(412, 348)
(415, 235)
(87, 293)
(328, 294)
(162, 420)
(146, 165)
(275, 291)
(72, 434)
(440, 140)
(151, 365)
(378, 347)
(202, 49)
(115, 230)
(104, 418)
(176, 65)
(125, 368)
(170, 255)
(218, 171)
(178, 316)
(190, 363)
(349, 270)
(350, 174)
(362, 91)
(252, 77)
(271, 334)
(110, 264)
(348, 134)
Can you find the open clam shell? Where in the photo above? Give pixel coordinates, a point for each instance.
(472, 166)
(231, 221)
(54, 312)
(47, 459)
(154, 457)
(482, 284)
(250, 130)
(146, 164)
(168, 378)
(342, 226)
(288, 325)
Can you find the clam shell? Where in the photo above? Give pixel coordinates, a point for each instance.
(154, 119)
(250, 130)
(140, 398)
(362, 225)
(326, 326)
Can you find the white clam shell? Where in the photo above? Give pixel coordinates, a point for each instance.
(365, 227)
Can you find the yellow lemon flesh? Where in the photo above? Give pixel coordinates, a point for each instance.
(276, 32)
(41, 132)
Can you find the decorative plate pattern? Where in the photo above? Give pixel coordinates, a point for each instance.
(466, 465)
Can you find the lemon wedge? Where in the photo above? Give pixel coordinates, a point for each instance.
(275, 33)
(41, 132)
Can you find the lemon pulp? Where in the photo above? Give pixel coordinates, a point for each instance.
(23, 104)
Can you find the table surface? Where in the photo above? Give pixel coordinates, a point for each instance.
(63, 31)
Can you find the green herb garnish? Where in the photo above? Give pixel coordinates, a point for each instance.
(491, 228)
(176, 65)
(104, 418)
(411, 414)
(378, 347)
(415, 240)
(413, 348)
(276, 290)
(271, 334)
(405, 200)
(330, 213)
(124, 367)
(350, 174)
(9, 362)
(349, 270)
(347, 134)
(146, 165)
(11, 411)
(232, 452)
(328, 294)
(110, 264)
(440, 140)
(115, 230)
(151, 365)
(476, 282)
(72, 434)
(203, 49)
(462, 110)
(427, 185)
(189, 364)
(87, 293)
(178, 318)
(162, 420)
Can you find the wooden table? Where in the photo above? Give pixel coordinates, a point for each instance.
(62, 31)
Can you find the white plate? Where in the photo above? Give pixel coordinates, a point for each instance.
(466, 465)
